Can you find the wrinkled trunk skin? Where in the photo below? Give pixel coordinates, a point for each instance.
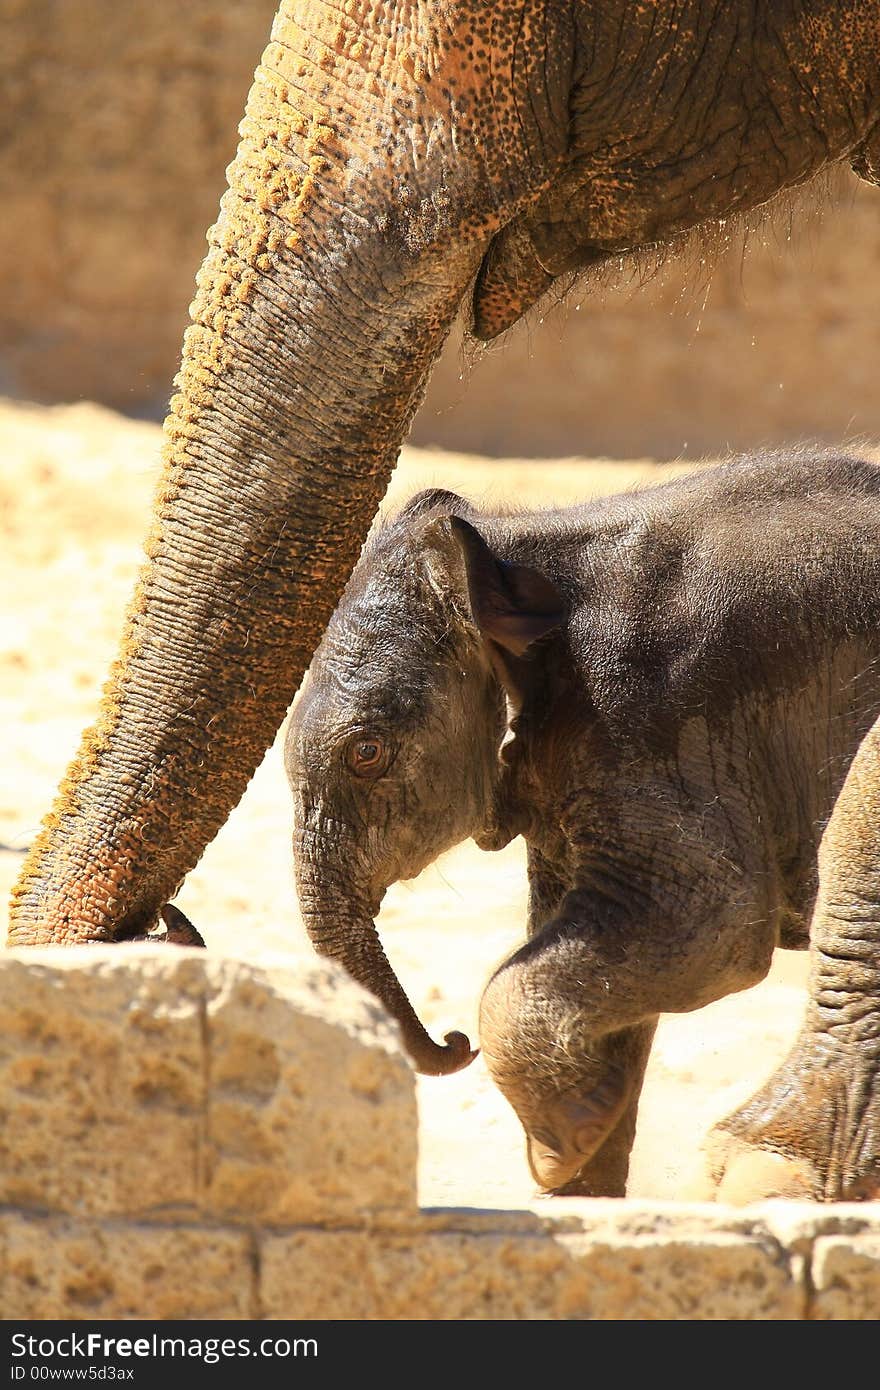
(338, 915)
(350, 230)
(352, 940)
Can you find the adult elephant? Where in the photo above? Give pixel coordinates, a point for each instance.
(394, 153)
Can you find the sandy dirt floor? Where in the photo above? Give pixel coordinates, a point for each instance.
(75, 489)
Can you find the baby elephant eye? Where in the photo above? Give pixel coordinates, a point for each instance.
(367, 756)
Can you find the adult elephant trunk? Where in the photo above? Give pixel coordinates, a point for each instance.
(361, 198)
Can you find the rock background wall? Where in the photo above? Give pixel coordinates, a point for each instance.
(117, 124)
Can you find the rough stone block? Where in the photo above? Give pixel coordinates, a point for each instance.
(54, 1267)
(102, 1079)
(846, 1278)
(526, 1276)
(151, 1082)
(312, 1112)
(712, 1277)
(381, 1275)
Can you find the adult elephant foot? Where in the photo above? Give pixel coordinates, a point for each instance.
(814, 1129)
(811, 1133)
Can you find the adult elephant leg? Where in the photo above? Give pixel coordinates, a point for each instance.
(814, 1129)
(366, 186)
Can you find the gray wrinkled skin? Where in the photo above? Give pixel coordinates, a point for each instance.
(663, 693)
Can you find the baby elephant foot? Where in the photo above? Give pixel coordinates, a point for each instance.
(811, 1133)
(606, 1172)
(567, 1150)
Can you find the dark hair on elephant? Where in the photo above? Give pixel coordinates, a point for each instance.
(433, 499)
(695, 254)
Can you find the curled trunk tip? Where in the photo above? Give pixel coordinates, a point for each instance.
(354, 943)
(431, 1059)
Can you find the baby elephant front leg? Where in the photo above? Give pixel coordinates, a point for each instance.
(574, 1088)
(604, 1171)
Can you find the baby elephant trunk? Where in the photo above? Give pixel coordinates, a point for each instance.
(354, 942)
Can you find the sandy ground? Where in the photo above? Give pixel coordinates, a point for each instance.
(75, 489)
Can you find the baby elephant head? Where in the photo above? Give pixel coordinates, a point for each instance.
(393, 748)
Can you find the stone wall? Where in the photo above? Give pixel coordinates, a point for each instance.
(117, 122)
(117, 125)
(187, 1136)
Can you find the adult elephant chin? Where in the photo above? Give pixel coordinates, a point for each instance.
(393, 150)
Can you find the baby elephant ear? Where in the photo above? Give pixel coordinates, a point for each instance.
(512, 605)
(432, 499)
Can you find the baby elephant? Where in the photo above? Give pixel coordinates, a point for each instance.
(667, 694)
